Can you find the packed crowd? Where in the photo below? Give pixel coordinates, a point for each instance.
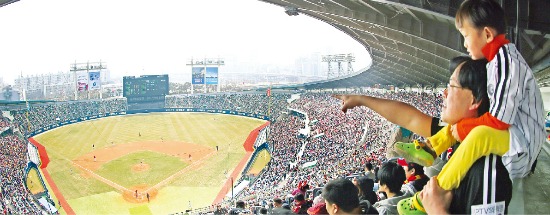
(14, 198)
(41, 115)
(256, 103)
(350, 141)
(342, 144)
(4, 123)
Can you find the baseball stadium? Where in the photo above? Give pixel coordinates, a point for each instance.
(146, 147)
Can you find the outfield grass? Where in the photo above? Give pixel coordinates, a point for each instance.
(87, 195)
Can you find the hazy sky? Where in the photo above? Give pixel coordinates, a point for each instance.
(137, 37)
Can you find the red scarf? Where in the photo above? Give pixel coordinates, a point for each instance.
(490, 50)
(413, 178)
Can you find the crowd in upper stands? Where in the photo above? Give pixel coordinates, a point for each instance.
(4, 123)
(256, 103)
(38, 116)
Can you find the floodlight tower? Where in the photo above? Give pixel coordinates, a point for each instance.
(204, 65)
(77, 67)
(338, 58)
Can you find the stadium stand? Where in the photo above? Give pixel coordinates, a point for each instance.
(14, 197)
(39, 116)
(340, 143)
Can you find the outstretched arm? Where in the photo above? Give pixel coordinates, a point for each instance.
(397, 112)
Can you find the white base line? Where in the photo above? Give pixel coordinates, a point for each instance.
(104, 180)
(165, 181)
(156, 186)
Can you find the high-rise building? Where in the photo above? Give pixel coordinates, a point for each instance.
(56, 86)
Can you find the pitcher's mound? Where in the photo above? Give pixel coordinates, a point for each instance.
(141, 167)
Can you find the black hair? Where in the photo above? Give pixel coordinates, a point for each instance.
(278, 200)
(299, 197)
(365, 184)
(473, 76)
(368, 166)
(319, 192)
(343, 193)
(239, 204)
(376, 169)
(263, 210)
(392, 175)
(456, 61)
(481, 13)
(418, 169)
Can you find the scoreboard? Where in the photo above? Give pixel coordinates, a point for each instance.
(145, 88)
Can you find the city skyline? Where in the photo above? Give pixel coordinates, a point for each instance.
(137, 37)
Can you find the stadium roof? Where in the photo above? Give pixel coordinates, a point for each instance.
(411, 41)
(6, 2)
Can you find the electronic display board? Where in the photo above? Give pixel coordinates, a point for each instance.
(145, 88)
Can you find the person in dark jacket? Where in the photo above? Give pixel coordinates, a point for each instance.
(342, 197)
(366, 189)
(278, 207)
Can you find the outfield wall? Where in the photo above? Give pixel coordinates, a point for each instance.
(254, 137)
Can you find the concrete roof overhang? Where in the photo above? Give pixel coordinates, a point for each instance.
(412, 41)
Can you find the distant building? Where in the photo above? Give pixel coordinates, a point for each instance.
(57, 86)
(10, 94)
(46, 86)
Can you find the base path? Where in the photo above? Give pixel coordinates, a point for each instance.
(190, 153)
(186, 151)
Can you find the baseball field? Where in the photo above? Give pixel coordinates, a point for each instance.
(157, 163)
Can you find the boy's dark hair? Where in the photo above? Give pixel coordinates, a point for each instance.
(481, 13)
(392, 175)
(263, 210)
(368, 166)
(418, 169)
(473, 76)
(239, 204)
(343, 193)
